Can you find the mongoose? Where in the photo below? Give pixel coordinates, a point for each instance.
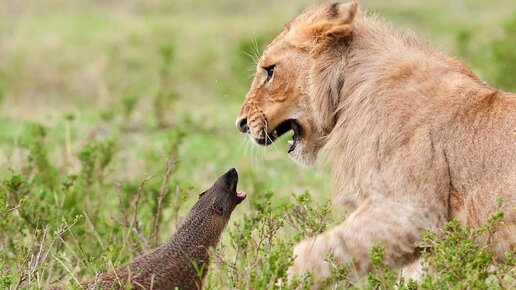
(182, 262)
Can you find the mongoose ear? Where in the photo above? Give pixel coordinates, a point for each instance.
(202, 193)
(336, 25)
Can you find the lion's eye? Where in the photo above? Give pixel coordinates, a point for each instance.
(270, 72)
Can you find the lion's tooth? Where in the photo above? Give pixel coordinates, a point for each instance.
(290, 142)
(275, 134)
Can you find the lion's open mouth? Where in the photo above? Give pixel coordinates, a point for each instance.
(281, 129)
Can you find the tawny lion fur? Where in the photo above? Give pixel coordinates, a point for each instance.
(413, 137)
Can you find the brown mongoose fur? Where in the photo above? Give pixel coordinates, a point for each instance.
(182, 262)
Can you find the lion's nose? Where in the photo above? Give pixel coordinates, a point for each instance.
(242, 125)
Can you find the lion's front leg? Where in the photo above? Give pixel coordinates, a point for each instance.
(396, 225)
(310, 255)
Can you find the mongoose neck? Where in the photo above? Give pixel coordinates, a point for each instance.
(196, 232)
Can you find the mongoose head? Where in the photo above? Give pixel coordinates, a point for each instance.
(218, 202)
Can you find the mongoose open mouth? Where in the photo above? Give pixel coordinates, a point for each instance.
(241, 195)
(231, 179)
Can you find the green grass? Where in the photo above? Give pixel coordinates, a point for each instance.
(95, 97)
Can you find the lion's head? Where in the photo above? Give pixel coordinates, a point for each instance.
(294, 87)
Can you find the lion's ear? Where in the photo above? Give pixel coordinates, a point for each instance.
(336, 25)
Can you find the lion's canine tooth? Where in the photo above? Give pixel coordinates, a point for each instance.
(275, 134)
(290, 142)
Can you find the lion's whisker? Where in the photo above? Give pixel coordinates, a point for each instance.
(251, 57)
(268, 137)
(255, 50)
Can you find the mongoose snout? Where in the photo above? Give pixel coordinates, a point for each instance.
(182, 262)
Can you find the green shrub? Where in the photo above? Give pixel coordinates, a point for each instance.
(451, 259)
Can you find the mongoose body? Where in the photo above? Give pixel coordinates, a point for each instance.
(182, 262)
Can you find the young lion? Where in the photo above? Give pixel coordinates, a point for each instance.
(414, 138)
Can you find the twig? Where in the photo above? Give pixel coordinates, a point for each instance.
(162, 193)
(43, 251)
(15, 207)
(67, 269)
(136, 223)
(93, 230)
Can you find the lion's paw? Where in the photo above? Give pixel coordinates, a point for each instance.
(309, 256)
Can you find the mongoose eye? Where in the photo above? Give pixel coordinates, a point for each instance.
(218, 209)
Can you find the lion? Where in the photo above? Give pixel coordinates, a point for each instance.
(412, 136)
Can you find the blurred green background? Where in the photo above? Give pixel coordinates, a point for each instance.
(143, 81)
(106, 63)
